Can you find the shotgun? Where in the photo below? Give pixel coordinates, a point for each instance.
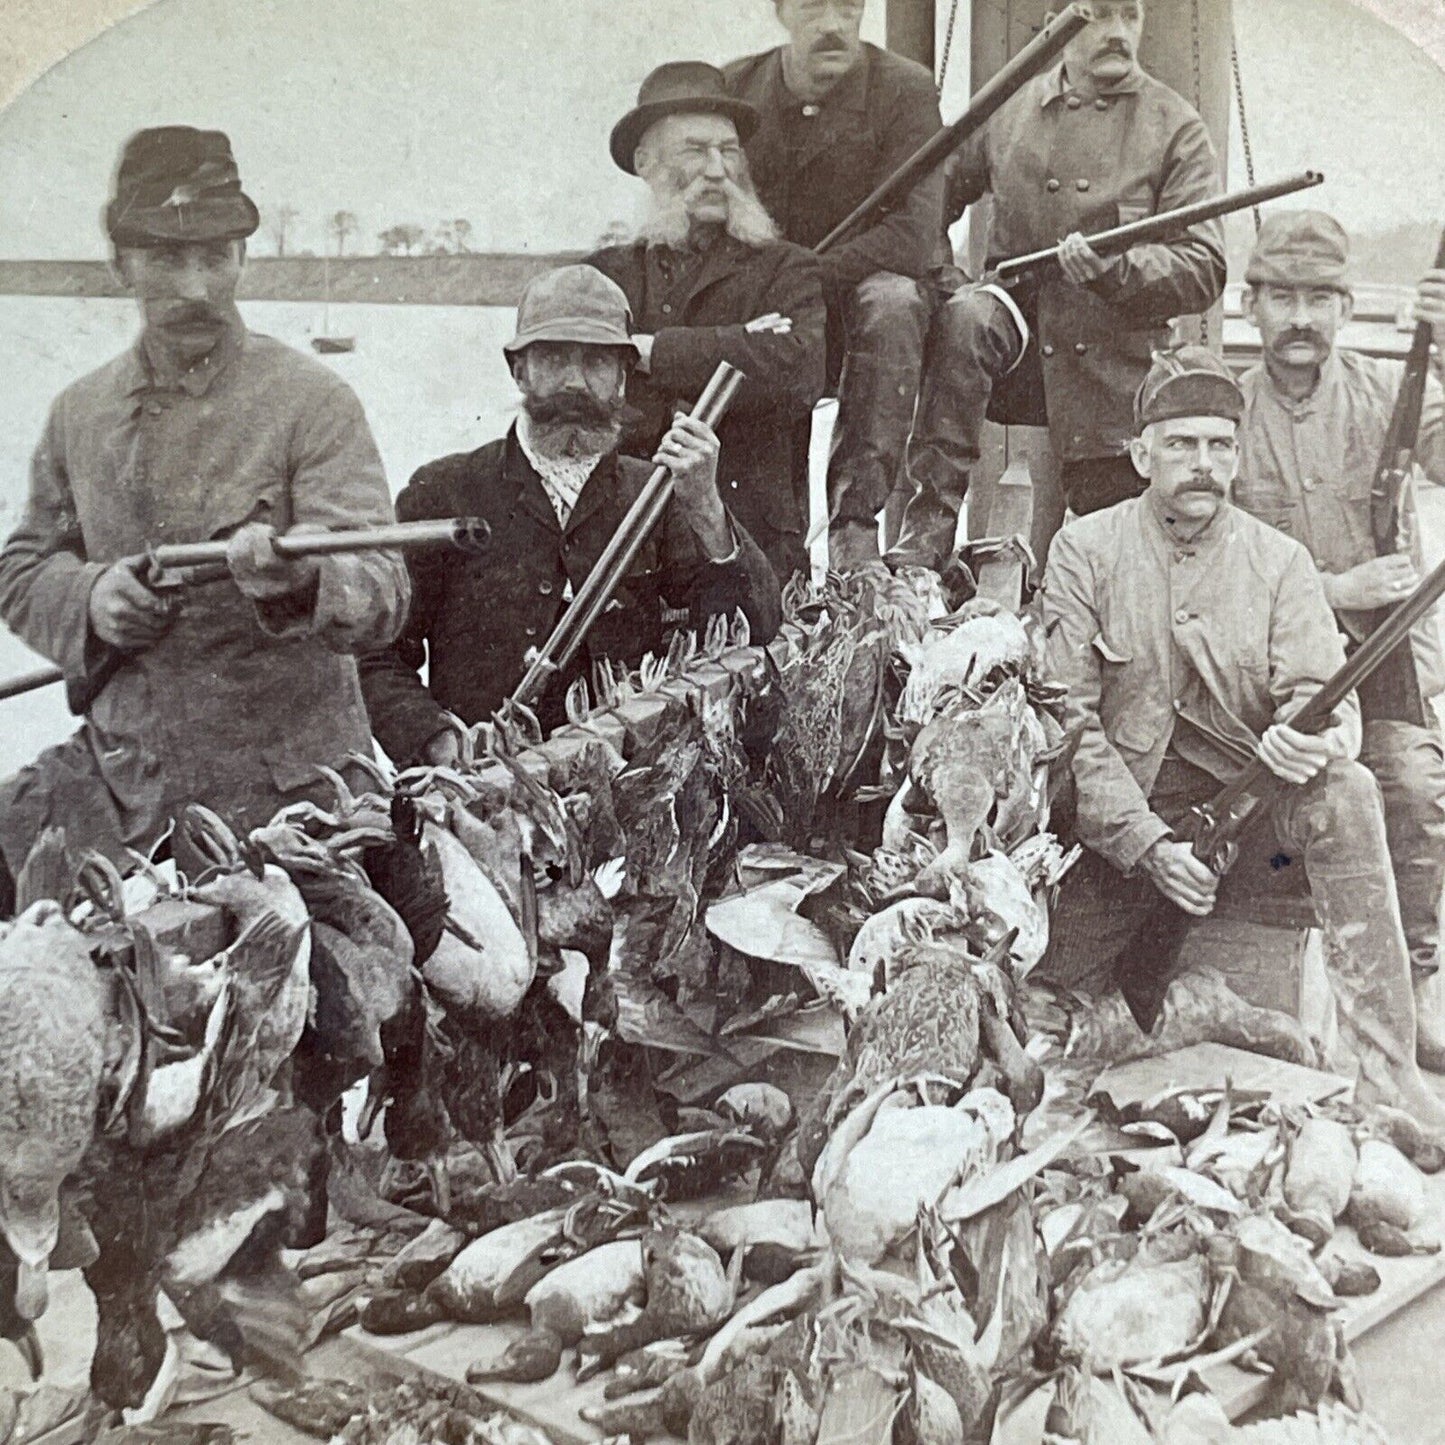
(1032, 60)
(611, 567)
(1219, 824)
(173, 567)
(1166, 226)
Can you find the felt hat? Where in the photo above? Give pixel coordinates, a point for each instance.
(1300, 248)
(1187, 381)
(681, 87)
(175, 183)
(573, 303)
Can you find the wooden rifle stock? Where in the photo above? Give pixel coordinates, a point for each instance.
(1163, 227)
(1221, 822)
(612, 566)
(1032, 60)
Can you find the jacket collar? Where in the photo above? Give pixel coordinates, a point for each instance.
(525, 487)
(141, 373)
(1257, 382)
(1053, 86)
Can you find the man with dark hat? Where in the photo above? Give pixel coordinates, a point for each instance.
(1187, 633)
(555, 490)
(1314, 427)
(837, 117)
(708, 281)
(1093, 143)
(234, 694)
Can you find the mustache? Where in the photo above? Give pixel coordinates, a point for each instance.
(830, 44)
(576, 408)
(1297, 333)
(1113, 47)
(1207, 486)
(193, 314)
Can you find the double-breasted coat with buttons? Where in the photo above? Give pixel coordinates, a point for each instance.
(1058, 158)
(474, 619)
(237, 704)
(696, 306)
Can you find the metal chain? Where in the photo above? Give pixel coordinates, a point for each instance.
(1243, 120)
(1206, 322)
(947, 48)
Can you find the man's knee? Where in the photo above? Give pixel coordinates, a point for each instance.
(1408, 763)
(888, 304)
(1344, 806)
(974, 326)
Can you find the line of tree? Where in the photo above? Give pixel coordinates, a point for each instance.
(449, 238)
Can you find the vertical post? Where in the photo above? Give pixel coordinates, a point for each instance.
(910, 29)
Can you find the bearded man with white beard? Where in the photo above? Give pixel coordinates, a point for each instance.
(708, 281)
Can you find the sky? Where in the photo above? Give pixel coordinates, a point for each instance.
(497, 111)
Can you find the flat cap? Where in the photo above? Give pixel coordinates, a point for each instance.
(1187, 381)
(177, 184)
(1300, 248)
(573, 303)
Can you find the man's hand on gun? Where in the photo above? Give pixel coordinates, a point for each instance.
(1430, 302)
(1380, 582)
(1296, 757)
(1181, 877)
(690, 452)
(125, 612)
(260, 571)
(774, 322)
(1080, 262)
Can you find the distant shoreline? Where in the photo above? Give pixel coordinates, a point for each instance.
(481, 279)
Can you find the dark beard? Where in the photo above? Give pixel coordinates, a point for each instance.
(572, 424)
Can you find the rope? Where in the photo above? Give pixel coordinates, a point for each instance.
(1243, 120)
(947, 48)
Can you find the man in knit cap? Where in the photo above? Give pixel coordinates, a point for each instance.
(1188, 633)
(1315, 418)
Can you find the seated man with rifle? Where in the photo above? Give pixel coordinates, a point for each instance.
(1322, 427)
(555, 490)
(1093, 143)
(1190, 635)
(231, 694)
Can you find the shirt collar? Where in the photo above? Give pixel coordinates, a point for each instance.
(1322, 398)
(850, 92)
(198, 380)
(1053, 86)
(562, 478)
(1200, 541)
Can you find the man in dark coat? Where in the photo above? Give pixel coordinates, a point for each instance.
(202, 430)
(554, 490)
(708, 281)
(1091, 144)
(836, 117)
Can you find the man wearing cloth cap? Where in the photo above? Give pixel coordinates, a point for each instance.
(555, 490)
(708, 281)
(1187, 633)
(1314, 427)
(1093, 143)
(836, 118)
(202, 430)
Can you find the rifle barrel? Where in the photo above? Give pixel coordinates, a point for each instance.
(1166, 223)
(1032, 60)
(622, 547)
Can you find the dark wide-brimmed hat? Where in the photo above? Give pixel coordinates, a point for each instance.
(1300, 248)
(573, 303)
(1187, 381)
(176, 183)
(681, 87)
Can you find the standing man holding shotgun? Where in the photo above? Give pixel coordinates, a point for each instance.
(1189, 634)
(1091, 144)
(232, 695)
(1314, 427)
(835, 118)
(555, 490)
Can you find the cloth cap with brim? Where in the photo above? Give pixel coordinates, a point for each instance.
(573, 303)
(681, 87)
(1187, 381)
(1300, 248)
(178, 184)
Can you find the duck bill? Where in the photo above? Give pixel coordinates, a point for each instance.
(441, 1184)
(28, 1346)
(32, 1289)
(499, 1156)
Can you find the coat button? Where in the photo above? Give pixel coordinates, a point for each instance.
(1309, 484)
(1181, 617)
(810, 110)
(733, 485)
(1052, 185)
(545, 588)
(1101, 104)
(154, 408)
(531, 631)
(666, 309)
(1047, 350)
(1082, 183)
(1079, 348)
(1073, 102)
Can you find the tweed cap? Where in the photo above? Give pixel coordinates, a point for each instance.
(573, 303)
(1300, 248)
(1187, 381)
(176, 184)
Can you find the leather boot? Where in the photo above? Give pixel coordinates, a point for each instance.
(1429, 1029)
(852, 545)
